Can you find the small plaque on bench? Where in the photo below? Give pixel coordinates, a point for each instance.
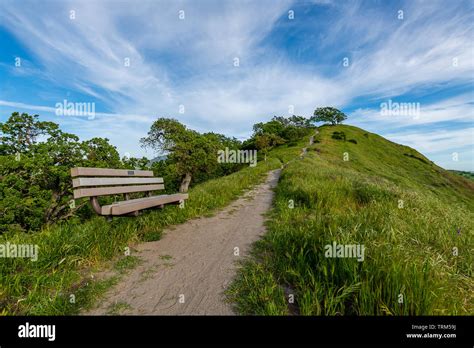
(131, 172)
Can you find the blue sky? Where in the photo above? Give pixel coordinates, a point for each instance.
(292, 55)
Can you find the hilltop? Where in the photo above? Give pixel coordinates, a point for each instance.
(401, 165)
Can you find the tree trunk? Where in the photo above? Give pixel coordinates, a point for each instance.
(185, 183)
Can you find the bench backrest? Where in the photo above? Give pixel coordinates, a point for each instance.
(91, 182)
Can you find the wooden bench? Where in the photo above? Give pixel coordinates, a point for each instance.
(95, 182)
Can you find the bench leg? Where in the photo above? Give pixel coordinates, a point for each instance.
(95, 205)
(108, 218)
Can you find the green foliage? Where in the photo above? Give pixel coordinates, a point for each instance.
(469, 175)
(265, 142)
(21, 131)
(268, 300)
(416, 157)
(272, 127)
(406, 212)
(136, 163)
(223, 168)
(126, 263)
(328, 114)
(191, 155)
(296, 121)
(278, 131)
(339, 136)
(35, 182)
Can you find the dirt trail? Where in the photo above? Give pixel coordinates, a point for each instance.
(187, 270)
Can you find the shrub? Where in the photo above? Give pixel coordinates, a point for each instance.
(415, 157)
(339, 136)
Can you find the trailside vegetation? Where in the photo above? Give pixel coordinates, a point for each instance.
(412, 218)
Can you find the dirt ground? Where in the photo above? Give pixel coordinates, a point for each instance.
(186, 272)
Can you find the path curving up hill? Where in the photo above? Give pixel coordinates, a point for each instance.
(187, 271)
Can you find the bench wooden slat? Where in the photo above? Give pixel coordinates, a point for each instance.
(84, 171)
(80, 182)
(125, 207)
(113, 190)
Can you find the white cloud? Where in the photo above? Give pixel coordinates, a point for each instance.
(420, 50)
(51, 109)
(451, 149)
(424, 133)
(456, 109)
(435, 141)
(388, 57)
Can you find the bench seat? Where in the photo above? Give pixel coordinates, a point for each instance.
(125, 207)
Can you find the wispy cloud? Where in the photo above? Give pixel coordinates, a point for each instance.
(452, 148)
(51, 109)
(187, 59)
(437, 141)
(456, 109)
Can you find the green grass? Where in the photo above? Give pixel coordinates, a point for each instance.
(126, 263)
(405, 210)
(70, 252)
(118, 308)
(469, 175)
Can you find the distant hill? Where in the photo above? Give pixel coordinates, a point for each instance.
(469, 175)
(158, 159)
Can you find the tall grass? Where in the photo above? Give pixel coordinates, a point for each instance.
(407, 213)
(69, 253)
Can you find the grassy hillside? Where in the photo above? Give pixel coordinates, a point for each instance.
(408, 213)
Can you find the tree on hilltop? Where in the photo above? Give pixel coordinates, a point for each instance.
(328, 114)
